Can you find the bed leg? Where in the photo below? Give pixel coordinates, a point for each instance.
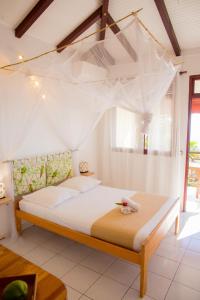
(18, 225)
(177, 224)
(143, 274)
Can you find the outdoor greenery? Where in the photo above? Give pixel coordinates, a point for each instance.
(194, 152)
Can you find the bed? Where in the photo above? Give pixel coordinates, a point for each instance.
(93, 219)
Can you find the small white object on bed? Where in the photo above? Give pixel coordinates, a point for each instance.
(131, 203)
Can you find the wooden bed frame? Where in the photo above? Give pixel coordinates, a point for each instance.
(141, 258)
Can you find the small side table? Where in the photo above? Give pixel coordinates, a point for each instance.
(4, 201)
(87, 174)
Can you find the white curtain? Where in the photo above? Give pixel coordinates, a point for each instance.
(122, 162)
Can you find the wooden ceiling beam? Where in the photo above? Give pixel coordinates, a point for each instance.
(33, 15)
(95, 16)
(115, 29)
(104, 18)
(168, 25)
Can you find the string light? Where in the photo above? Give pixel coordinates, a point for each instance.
(36, 83)
(20, 57)
(32, 78)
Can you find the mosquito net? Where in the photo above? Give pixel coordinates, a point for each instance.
(69, 92)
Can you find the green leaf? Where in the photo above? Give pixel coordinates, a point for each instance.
(30, 187)
(55, 174)
(23, 170)
(41, 171)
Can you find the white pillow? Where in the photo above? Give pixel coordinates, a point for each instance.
(49, 196)
(72, 192)
(81, 183)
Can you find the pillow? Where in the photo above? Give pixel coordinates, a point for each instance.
(49, 197)
(72, 192)
(29, 175)
(81, 183)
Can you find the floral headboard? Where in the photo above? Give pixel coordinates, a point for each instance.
(35, 173)
(58, 167)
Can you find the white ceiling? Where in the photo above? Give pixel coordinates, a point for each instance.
(62, 16)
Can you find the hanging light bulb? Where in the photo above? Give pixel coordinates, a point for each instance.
(43, 96)
(20, 57)
(36, 83)
(32, 78)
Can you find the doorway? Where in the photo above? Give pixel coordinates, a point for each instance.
(192, 171)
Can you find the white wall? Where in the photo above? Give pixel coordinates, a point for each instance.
(88, 152)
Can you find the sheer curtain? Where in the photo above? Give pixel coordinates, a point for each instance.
(122, 162)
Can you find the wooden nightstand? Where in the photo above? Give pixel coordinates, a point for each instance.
(87, 174)
(5, 201)
(4, 217)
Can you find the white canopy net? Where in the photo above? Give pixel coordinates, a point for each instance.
(69, 92)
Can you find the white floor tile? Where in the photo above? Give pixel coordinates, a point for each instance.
(35, 234)
(180, 292)
(106, 289)
(157, 286)
(196, 235)
(66, 243)
(76, 252)
(176, 241)
(22, 246)
(80, 278)
(170, 252)
(188, 276)
(58, 265)
(72, 294)
(123, 272)
(163, 266)
(7, 242)
(98, 261)
(84, 298)
(191, 259)
(134, 295)
(39, 255)
(45, 234)
(56, 244)
(194, 245)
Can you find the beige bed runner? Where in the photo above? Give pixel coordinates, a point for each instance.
(119, 229)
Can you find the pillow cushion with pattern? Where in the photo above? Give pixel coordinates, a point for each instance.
(29, 175)
(58, 167)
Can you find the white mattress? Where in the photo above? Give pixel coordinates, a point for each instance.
(81, 212)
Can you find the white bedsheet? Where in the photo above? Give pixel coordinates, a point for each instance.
(81, 212)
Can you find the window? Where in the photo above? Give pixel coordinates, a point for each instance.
(127, 129)
(197, 86)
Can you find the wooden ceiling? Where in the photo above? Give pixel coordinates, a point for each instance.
(102, 14)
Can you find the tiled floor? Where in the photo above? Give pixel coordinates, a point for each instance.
(174, 270)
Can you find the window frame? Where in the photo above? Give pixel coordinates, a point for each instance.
(145, 150)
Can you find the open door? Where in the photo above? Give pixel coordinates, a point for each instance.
(192, 170)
